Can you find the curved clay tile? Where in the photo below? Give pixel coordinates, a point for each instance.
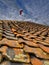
(23, 43)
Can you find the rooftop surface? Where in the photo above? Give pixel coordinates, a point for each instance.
(23, 43)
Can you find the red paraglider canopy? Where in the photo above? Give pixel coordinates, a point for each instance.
(21, 11)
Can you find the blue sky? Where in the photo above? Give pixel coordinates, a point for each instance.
(34, 10)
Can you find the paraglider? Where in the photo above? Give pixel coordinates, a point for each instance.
(23, 16)
(21, 11)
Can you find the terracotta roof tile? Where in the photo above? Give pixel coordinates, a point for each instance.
(23, 43)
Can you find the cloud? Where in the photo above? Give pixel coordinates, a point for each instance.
(33, 10)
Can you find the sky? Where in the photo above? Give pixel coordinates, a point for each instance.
(33, 10)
